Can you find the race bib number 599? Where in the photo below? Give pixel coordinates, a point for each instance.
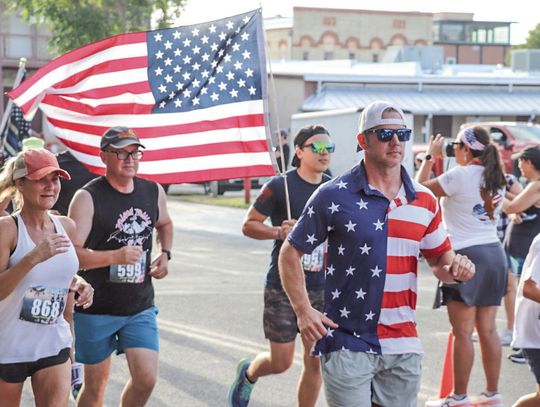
(43, 305)
(129, 273)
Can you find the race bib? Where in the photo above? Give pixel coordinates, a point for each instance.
(129, 273)
(314, 262)
(43, 305)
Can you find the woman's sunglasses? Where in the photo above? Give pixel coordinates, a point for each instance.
(385, 135)
(321, 147)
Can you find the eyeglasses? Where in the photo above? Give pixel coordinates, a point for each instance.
(320, 147)
(124, 155)
(385, 135)
(457, 143)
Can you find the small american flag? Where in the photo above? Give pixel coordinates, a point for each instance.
(16, 130)
(195, 95)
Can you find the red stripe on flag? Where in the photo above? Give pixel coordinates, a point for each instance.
(103, 109)
(246, 121)
(401, 264)
(406, 298)
(402, 330)
(76, 55)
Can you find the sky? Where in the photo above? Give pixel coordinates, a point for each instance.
(518, 11)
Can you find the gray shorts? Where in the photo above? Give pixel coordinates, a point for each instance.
(279, 320)
(356, 379)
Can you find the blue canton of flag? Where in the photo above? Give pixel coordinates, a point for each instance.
(205, 65)
(16, 130)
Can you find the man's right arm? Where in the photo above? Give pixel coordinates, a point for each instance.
(81, 210)
(310, 321)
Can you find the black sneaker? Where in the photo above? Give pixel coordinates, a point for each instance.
(517, 357)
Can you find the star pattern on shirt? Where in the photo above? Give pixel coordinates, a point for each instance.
(334, 208)
(330, 270)
(350, 226)
(344, 313)
(370, 315)
(311, 239)
(360, 294)
(378, 225)
(341, 250)
(350, 271)
(342, 185)
(376, 271)
(365, 249)
(362, 204)
(335, 294)
(310, 211)
(207, 64)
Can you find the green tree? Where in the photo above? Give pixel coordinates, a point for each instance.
(74, 23)
(533, 40)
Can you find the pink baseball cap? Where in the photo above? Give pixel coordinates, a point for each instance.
(37, 163)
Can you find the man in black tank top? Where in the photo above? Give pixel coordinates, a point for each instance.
(116, 215)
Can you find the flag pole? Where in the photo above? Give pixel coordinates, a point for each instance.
(9, 106)
(280, 144)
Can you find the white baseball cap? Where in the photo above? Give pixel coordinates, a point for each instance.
(372, 116)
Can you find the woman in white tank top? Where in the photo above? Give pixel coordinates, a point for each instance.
(38, 268)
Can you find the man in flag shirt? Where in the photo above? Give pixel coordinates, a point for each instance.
(377, 220)
(195, 95)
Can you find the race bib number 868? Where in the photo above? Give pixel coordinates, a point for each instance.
(43, 305)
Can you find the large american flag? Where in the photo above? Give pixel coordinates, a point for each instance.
(195, 95)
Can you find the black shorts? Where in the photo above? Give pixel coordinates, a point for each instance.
(18, 372)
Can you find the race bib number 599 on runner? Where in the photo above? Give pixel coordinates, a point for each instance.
(129, 273)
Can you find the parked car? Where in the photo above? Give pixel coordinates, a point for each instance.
(511, 138)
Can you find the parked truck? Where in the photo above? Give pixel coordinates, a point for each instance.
(343, 127)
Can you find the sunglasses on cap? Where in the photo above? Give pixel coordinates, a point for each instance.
(320, 147)
(385, 135)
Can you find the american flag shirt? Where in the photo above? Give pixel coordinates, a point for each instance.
(373, 248)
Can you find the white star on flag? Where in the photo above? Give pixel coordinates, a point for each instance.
(362, 204)
(330, 332)
(335, 294)
(369, 317)
(365, 249)
(341, 250)
(330, 270)
(344, 313)
(310, 211)
(334, 207)
(350, 226)
(378, 225)
(350, 271)
(311, 239)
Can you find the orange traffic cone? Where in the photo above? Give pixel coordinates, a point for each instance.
(447, 375)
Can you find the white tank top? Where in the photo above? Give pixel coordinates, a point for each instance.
(32, 325)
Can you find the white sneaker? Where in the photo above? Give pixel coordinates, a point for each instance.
(506, 337)
(494, 400)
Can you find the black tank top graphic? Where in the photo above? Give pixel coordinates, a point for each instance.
(121, 220)
(518, 237)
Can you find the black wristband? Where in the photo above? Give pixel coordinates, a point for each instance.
(167, 252)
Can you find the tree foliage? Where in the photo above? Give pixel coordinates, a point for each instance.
(74, 23)
(533, 40)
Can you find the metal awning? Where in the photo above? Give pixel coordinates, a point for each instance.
(436, 101)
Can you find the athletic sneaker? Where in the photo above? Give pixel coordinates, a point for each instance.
(451, 401)
(517, 357)
(495, 400)
(241, 389)
(506, 337)
(77, 374)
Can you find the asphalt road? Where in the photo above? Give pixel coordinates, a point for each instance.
(211, 316)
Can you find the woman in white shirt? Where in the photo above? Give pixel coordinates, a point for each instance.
(37, 274)
(471, 198)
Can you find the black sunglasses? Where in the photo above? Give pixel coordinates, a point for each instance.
(385, 135)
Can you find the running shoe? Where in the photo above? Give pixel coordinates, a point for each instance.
(77, 373)
(452, 401)
(517, 357)
(495, 400)
(506, 337)
(241, 389)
